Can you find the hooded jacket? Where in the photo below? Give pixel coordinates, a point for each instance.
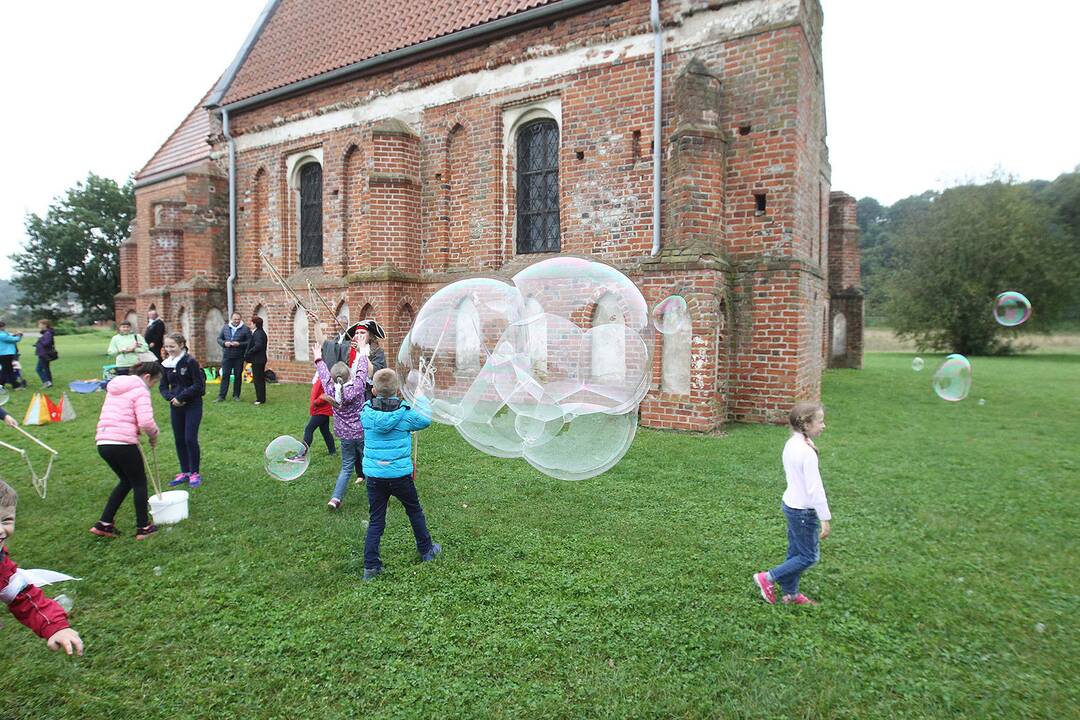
(347, 416)
(183, 380)
(388, 438)
(126, 411)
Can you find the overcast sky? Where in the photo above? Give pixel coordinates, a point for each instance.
(920, 94)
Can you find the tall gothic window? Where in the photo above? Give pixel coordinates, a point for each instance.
(538, 187)
(311, 237)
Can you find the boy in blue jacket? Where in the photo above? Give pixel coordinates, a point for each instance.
(388, 425)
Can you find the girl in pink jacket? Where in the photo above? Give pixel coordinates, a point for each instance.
(126, 411)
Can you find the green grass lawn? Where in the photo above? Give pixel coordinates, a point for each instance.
(948, 587)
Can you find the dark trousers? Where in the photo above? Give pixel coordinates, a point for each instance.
(235, 367)
(379, 492)
(802, 550)
(7, 369)
(258, 379)
(322, 422)
(185, 427)
(43, 370)
(126, 461)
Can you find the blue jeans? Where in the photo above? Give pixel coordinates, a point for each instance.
(352, 459)
(43, 370)
(185, 427)
(379, 492)
(802, 549)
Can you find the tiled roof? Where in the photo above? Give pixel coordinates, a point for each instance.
(306, 38)
(186, 145)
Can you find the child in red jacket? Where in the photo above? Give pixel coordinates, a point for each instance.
(321, 411)
(26, 602)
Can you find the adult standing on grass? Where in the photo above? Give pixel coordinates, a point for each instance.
(804, 504)
(126, 346)
(256, 355)
(9, 350)
(183, 387)
(155, 332)
(45, 349)
(234, 340)
(125, 413)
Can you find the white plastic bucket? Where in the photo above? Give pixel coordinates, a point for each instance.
(169, 507)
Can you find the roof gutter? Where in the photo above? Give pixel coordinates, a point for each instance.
(658, 107)
(534, 15)
(231, 280)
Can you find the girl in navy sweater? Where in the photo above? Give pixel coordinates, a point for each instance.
(184, 386)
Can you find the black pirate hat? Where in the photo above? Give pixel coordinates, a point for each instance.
(373, 328)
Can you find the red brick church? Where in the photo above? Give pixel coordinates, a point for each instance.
(379, 149)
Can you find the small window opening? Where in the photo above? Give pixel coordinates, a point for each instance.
(744, 129)
(635, 146)
(580, 154)
(759, 203)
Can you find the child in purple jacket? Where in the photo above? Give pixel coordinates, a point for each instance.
(346, 386)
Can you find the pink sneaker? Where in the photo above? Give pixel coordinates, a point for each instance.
(180, 479)
(194, 480)
(768, 592)
(799, 599)
(334, 504)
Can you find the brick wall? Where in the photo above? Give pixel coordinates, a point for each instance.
(412, 203)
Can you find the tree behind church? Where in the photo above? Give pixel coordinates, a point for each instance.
(974, 242)
(75, 248)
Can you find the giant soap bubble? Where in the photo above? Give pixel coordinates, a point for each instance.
(286, 458)
(1011, 309)
(952, 379)
(549, 367)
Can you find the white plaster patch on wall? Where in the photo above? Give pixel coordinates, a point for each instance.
(699, 363)
(407, 104)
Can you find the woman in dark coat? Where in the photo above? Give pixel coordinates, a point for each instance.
(256, 355)
(45, 349)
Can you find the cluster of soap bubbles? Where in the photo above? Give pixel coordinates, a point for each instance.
(1011, 309)
(549, 366)
(286, 458)
(4, 395)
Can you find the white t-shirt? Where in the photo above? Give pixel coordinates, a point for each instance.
(804, 487)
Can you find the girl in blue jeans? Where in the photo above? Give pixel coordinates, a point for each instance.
(804, 504)
(346, 387)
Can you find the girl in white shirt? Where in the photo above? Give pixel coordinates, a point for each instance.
(804, 504)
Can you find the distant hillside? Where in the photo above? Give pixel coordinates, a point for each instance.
(9, 294)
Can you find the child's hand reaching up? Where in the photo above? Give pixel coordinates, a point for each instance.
(67, 639)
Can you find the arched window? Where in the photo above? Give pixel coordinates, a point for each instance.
(467, 336)
(538, 187)
(215, 320)
(608, 342)
(301, 351)
(311, 235)
(133, 318)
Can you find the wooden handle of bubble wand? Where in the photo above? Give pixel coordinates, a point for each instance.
(154, 479)
(36, 440)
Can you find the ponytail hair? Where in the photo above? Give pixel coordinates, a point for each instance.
(152, 368)
(803, 414)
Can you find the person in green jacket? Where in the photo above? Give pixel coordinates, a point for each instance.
(126, 346)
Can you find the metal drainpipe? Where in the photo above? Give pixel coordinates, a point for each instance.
(232, 209)
(658, 71)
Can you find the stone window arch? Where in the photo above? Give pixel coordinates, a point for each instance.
(839, 335)
(301, 351)
(536, 335)
(306, 183)
(215, 321)
(608, 341)
(467, 336)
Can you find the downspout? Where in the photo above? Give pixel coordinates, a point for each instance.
(232, 209)
(658, 71)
